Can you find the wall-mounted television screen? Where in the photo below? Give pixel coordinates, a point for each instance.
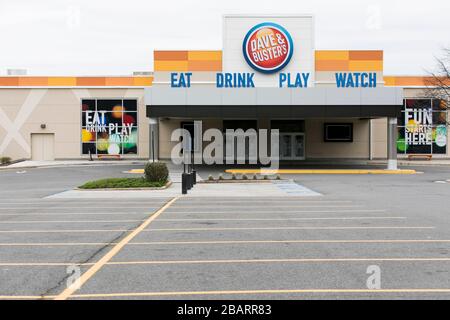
(338, 132)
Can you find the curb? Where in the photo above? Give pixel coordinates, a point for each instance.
(168, 184)
(322, 171)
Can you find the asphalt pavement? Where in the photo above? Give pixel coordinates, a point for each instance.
(226, 247)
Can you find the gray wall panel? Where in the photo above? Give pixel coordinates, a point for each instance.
(343, 96)
(203, 95)
(238, 96)
(168, 96)
(308, 97)
(381, 96)
(273, 96)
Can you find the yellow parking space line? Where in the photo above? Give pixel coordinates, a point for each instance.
(265, 199)
(247, 292)
(43, 264)
(249, 261)
(221, 229)
(62, 244)
(65, 221)
(74, 214)
(229, 261)
(318, 171)
(288, 228)
(182, 212)
(64, 231)
(239, 212)
(233, 292)
(107, 257)
(55, 244)
(26, 297)
(281, 241)
(135, 171)
(74, 207)
(266, 207)
(283, 219)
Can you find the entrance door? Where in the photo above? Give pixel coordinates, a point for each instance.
(292, 146)
(42, 146)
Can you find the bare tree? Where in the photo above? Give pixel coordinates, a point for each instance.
(438, 84)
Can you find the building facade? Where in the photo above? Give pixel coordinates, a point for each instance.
(326, 104)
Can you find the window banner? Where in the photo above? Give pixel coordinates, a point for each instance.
(109, 127)
(422, 127)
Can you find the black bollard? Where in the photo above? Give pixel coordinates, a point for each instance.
(184, 187)
(189, 178)
(194, 177)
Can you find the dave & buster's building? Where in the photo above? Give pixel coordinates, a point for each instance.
(327, 104)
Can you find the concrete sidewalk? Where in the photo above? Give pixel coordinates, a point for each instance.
(64, 163)
(278, 188)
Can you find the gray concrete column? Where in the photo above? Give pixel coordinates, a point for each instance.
(153, 138)
(392, 143)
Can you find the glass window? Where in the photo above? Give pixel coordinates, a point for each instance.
(440, 118)
(130, 105)
(423, 127)
(418, 103)
(110, 105)
(107, 128)
(401, 119)
(402, 146)
(88, 105)
(439, 104)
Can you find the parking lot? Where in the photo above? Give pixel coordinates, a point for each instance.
(226, 247)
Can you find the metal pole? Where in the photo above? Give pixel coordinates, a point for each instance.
(153, 145)
(392, 143)
(194, 173)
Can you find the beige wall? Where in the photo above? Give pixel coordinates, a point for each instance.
(23, 110)
(316, 148)
(379, 138)
(59, 110)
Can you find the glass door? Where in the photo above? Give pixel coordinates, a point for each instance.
(299, 146)
(292, 146)
(285, 146)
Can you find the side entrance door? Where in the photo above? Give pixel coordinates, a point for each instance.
(42, 146)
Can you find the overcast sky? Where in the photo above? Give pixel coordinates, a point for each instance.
(106, 37)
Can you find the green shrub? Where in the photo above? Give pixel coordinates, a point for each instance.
(255, 177)
(5, 160)
(156, 172)
(233, 177)
(221, 177)
(244, 177)
(266, 177)
(210, 178)
(121, 183)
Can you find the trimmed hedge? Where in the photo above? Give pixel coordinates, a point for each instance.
(156, 172)
(121, 183)
(5, 160)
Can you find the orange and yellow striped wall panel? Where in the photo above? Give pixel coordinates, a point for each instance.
(27, 81)
(345, 60)
(181, 61)
(413, 81)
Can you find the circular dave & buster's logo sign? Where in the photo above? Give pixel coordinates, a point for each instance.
(268, 47)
